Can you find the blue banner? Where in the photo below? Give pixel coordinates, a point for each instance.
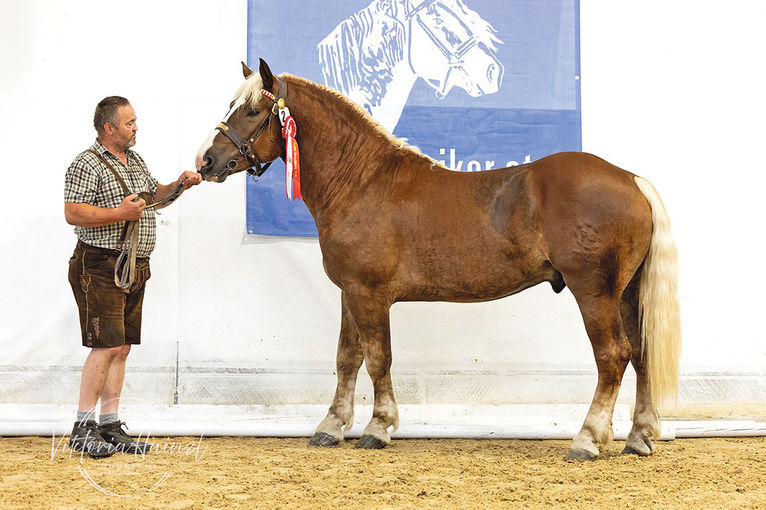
(475, 84)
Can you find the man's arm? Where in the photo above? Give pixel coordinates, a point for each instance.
(163, 190)
(87, 215)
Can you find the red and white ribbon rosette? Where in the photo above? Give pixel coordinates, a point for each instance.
(292, 155)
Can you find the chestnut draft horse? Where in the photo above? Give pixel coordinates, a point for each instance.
(395, 225)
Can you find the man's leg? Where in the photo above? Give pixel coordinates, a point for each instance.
(100, 304)
(110, 427)
(95, 374)
(112, 387)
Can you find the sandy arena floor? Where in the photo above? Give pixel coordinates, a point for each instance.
(283, 473)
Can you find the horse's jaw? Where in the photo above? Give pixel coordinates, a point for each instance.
(215, 177)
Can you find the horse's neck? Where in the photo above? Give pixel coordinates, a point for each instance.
(341, 152)
(391, 104)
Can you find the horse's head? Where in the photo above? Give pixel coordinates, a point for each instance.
(248, 137)
(451, 45)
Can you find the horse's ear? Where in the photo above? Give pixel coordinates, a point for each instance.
(266, 75)
(246, 70)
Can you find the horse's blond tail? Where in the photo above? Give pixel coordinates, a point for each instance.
(658, 312)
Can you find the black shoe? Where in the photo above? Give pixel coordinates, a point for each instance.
(119, 438)
(85, 438)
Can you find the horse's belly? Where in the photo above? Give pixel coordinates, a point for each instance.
(475, 279)
(467, 294)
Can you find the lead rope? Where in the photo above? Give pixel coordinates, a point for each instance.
(125, 266)
(170, 198)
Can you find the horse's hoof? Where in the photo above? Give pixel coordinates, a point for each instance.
(581, 455)
(632, 450)
(370, 443)
(324, 439)
(629, 450)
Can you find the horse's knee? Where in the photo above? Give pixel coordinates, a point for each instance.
(377, 361)
(377, 372)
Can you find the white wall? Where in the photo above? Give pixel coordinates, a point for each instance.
(670, 90)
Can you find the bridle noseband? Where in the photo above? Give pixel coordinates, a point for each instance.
(245, 145)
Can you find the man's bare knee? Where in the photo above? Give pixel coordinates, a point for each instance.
(121, 351)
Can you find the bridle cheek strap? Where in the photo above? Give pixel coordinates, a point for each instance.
(245, 145)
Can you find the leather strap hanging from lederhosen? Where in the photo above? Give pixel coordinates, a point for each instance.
(125, 267)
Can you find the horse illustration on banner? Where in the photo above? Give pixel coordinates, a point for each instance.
(377, 54)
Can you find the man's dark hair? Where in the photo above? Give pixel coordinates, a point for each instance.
(106, 112)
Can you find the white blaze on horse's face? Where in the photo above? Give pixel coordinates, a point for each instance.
(200, 160)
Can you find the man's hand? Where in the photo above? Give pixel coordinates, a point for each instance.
(165, 190)
(131, 208)
(192, 179)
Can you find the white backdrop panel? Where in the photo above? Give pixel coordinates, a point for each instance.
(672, 91)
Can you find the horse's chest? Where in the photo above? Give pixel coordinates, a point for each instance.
(332, 272)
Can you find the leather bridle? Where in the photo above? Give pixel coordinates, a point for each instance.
(245, 145)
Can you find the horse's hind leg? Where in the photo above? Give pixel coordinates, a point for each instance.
(348, 360)
(646, 423)
(612, 351)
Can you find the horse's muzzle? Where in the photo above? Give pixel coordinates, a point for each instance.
(206, 170)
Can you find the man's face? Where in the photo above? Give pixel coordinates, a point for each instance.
(124, 133)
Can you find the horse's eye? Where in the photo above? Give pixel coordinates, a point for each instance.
(253, 113)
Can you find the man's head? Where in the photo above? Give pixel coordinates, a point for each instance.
(115, 122)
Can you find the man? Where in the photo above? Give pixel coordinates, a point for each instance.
(110, 316)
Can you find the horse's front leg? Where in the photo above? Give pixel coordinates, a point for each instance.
(348, 359)
(371, 317)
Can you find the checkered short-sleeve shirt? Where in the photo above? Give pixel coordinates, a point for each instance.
(89, 181)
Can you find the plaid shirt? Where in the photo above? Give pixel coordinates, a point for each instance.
(89, 181)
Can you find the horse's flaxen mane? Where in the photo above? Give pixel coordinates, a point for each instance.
(250, 93)
(364, 118)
